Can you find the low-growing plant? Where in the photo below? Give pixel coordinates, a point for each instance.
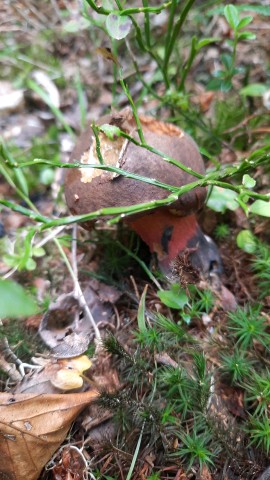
(236, 365)
(258, 392)
(194, 449)
(259, 431)
(248, 326)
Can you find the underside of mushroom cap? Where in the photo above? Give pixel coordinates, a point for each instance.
(90, 189)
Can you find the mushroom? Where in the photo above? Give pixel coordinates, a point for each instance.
(169, 230)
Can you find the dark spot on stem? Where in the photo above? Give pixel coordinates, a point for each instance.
(166, 237)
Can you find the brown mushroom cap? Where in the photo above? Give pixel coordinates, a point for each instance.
(89, 189)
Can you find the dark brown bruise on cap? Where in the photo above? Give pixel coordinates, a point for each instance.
(105, 189)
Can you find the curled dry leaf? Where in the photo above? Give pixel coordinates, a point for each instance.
(32, 429)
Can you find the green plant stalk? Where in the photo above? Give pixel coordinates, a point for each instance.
(18, 174)
(187, 67)
(150, 51)
(121, 212)
(170, 23)
(175, 32)
(25, 211)
(115, 74)
(81, 100)
(136, 453)
(147, 24)
(45, 97)
(211, 178)
(107, 168)
(128, 11)
(95, 132)
(23, 196)
(141, 263)
(137, 449)
(134, 109)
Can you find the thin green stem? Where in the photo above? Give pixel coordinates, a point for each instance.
(108, 168)
(24, 197)
(147, 24)
(98, 150)
(187, 67)
(145, 10)
(134, 109)
(141, 263)
(170, 24)
(175, 33)
(25, 211)
(150, 51)
(56, 111)
(128, 11)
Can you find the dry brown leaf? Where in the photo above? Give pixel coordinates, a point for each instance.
(32, 427)
(205, 474)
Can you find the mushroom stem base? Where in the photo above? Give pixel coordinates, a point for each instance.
(166, 234)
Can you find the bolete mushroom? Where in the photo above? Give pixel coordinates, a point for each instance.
(168, 230)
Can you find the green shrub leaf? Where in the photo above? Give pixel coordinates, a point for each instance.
(111, 131)
(14, 301)
(222, 199)
(254, 90)
(246, 241)
(118, 26)
(248, 181)
(174, 298)
(260, 207)
(232, 16)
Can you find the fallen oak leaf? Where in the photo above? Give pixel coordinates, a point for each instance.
(32, 427)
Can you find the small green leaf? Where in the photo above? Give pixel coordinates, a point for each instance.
(141, 311)
(260, 207)
(222, 199)
(206, 41)
(232, 16)
(30, 264)
(254, 90)
(246, 36)
(14, 301)
(174, 298)
(111, 131)
(248, 181)
(245, 21)
(186, 318)
(118, 26)
(38, 252)
(246, 241)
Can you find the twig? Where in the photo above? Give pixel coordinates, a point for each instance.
(77, 287)
(49, 237)
(10, 370)
(21, 365)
